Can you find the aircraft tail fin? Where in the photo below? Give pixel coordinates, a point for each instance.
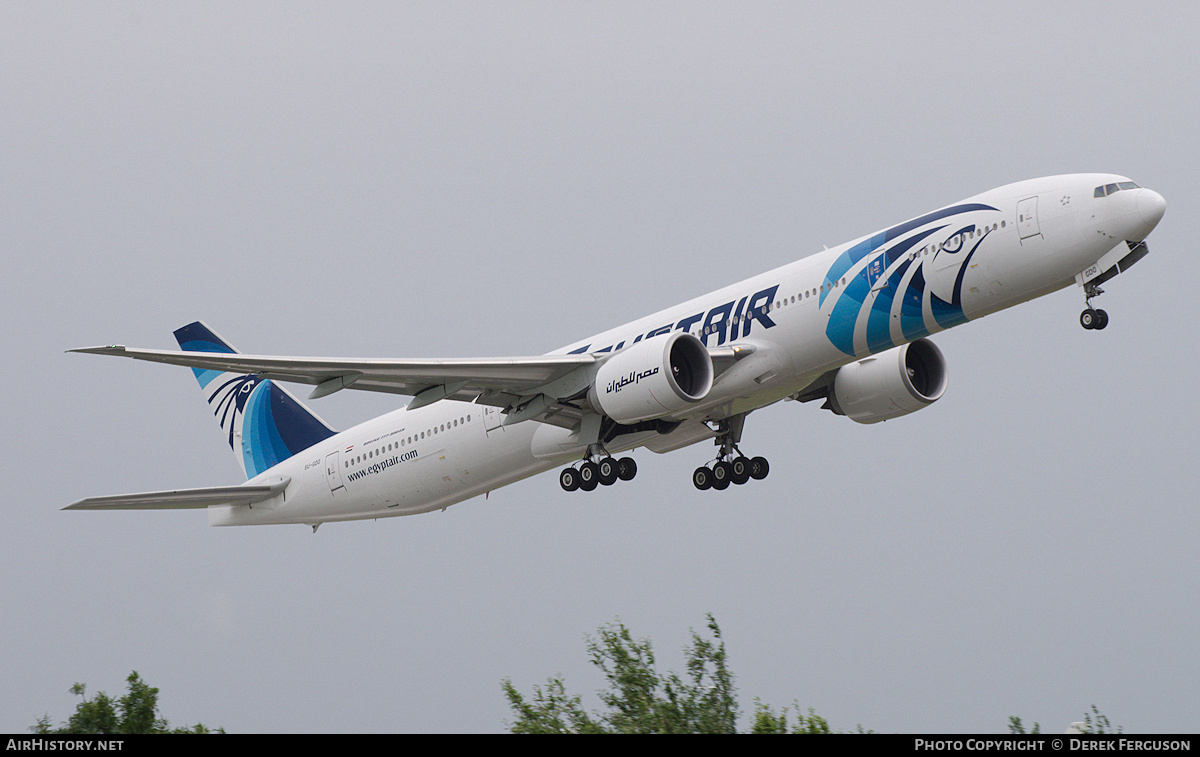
(264, 423)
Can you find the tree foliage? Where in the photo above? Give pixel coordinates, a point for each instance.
(1087, 725)
(136, 712)
(639, 699)
(704, 700)
(766, 721)
(1015, 726)
(1099, 725)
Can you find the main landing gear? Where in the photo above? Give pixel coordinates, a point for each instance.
(737, 470)
(599, 469)
(1092, 319)
(731, 466)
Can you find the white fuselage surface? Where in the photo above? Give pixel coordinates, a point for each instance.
(784, 333)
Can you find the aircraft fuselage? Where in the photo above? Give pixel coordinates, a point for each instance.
(804, 319)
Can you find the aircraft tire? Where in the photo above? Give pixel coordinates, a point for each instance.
(759, 468)
(722, 475)
(589, 476)
(702, 478)
(739, 470)
(568, 478)
(1101, 320)
(607, 471)
(626, 468)
(1088, 319)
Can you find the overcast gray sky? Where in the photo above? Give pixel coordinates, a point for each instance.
(479, 179)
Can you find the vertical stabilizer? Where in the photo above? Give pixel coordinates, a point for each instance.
(265, 424)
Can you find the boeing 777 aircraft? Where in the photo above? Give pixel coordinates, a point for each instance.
(848, 326)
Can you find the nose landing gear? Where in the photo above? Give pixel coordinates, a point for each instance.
(1092, 319)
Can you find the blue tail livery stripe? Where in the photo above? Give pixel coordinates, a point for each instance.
(263, 422)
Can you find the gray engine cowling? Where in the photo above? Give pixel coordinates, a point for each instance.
(897, 382)
(653, 378)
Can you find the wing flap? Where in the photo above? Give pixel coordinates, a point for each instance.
(183, 499)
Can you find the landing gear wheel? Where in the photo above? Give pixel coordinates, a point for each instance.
(568, 478)
(626, 468)
(607, 471)
(1091, 318)
(722, 475)
(589, 476)
(759, 468)
(739, 470)
(731, 466)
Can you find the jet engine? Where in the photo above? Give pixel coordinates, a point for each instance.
(897, 382)
(653, 378)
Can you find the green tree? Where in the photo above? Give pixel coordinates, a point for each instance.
(1015, 726)
(136, 712)
(1099, 725)
(640, 700)
(550, 711)
(766, 721)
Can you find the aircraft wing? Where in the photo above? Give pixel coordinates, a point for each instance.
(181, 499)
(502, 382)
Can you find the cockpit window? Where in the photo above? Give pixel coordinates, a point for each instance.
(1107, 189)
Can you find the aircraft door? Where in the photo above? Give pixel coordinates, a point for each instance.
(1027, 220)
(874, 273)
(333, 470)
(491, 418)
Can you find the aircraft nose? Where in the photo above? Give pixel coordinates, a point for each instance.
(1150, 208)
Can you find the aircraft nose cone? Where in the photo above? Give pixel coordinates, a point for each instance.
(1150, 207)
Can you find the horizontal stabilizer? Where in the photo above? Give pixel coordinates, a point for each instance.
(182, 499)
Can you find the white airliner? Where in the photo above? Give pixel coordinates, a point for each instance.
(847, 325)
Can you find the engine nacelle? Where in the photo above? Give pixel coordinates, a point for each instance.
(653, 378)
(897, 382)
